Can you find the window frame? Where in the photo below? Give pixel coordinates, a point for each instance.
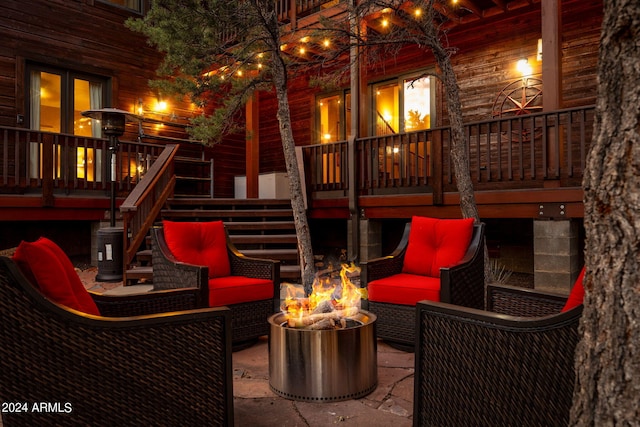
(399, 82)
(343, 131)
(67, 82)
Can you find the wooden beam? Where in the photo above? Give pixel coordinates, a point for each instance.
(552, 54)
(252, 146)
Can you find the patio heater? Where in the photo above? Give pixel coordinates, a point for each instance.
(110, 244)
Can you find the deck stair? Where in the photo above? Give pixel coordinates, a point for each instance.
(260, 228)
(141, 271)
(194, 175)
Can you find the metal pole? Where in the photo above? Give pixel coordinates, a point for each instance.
(113, 145)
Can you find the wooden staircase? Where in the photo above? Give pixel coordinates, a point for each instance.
(259, 228)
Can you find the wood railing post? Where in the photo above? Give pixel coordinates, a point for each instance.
(438, 160)
(352, 193)
(47, 170)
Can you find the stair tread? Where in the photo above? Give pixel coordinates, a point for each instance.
(263, 238)
(192, 178)
(144, 272)
(225, 213)
(259, 225)
(281, 254)
(231, 202)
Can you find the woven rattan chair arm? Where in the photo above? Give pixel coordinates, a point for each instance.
(242, 265)
(517, 301)
(148, 302)
(169, 273)
(379, 268)
(463, 283)
(479, 368)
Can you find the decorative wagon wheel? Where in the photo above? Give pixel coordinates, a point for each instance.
(521, 97)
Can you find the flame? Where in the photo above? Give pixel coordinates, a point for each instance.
(342, 294)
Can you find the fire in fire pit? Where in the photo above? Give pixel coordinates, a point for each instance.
(323, 348)
(334, 301)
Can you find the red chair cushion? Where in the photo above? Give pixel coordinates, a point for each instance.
(576, 297)
(237, 289)
(49, 268)
(405, 289)
(436, 243)
(199, 243)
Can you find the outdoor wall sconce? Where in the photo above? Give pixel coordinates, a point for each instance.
(160, 106)
(524, 68)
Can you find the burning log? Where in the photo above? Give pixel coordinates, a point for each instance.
(311, 321)
(333, 301)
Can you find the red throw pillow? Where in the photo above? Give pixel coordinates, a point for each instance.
(199, 243)
(436, 243)
(86, 303)
(576, 297)
(44, 263)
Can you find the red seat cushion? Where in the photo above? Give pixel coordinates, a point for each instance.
(199, 243)
(436, 243)
(576, 297)
(405, 289)
(49, 268)
(238, 289)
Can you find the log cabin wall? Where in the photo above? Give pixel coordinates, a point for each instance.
(484, 63)
(80, 35)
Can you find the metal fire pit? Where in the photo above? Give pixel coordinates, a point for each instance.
(323, 365)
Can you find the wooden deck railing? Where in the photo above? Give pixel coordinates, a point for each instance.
(514, 152)
(53, 163)
(142, 206)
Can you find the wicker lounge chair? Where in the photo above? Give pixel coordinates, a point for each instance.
(248, 313)
(65, 368)
(460, 284)
(511, 366)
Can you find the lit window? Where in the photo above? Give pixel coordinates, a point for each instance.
(56, 101)
(334, 118)
(417, 104)
(386, 104)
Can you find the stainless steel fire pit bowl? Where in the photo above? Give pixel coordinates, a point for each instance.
(323, 365)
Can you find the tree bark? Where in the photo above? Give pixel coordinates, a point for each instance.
(459, 152)
(608, 355)
(301, 222)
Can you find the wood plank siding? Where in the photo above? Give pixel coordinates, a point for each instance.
(89, 36)
(485, 54)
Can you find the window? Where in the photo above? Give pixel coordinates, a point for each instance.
(334, 118)
(409, 98)
(56, 101)
(417, 95)
(135, 5)
(404, 105)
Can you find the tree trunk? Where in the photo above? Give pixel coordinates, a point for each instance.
(295, 186)
(459, 153)
(608, 355)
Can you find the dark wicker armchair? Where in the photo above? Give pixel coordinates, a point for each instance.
(65, 368)
(461, 284)
(248, 319)
(496, 368)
